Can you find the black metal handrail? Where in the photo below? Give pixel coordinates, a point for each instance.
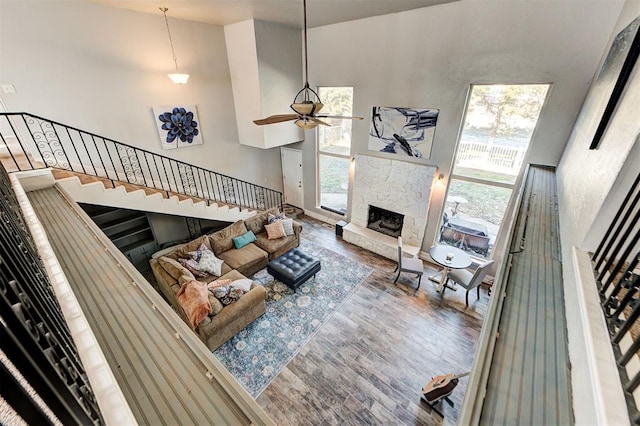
(616, 263)
(34, 142)
(33, 333)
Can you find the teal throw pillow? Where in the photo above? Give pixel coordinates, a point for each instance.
(244, 239)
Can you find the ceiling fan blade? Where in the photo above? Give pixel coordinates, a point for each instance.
(315, 120)
(341, 117)
(276, 119)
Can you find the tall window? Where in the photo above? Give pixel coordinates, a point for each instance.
(334, 149)
(498, 125)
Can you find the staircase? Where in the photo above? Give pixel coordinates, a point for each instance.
(99, 170)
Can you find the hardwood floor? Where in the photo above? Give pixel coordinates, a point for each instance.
(369, 362)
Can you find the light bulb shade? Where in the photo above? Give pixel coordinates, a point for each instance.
(306, 108)
(305, 124)
(179, 78)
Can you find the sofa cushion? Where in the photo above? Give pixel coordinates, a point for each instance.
(216, 305)
(174, 268)
(256, 223)
(222, 240)
(244, 239)
(232, 275)
(245, 259)
(271, 246)
(275, 230)
(166, 251)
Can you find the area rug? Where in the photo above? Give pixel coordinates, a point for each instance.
(258, 353)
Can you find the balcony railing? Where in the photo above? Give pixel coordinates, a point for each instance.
(30, 142)
(34, 336)
(617, 268)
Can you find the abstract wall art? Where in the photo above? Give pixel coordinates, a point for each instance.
(403, 131)
(178, 126)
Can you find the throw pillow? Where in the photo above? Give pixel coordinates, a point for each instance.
(195, 255)
(243, 284)
(210, 263)
(287, 224)
(173, 267)
(276, 217)
(244, 239)
(218, 283)
(192, 266)
(227, 295)
(275, 230)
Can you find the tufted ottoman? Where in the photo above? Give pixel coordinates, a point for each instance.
(293, 268)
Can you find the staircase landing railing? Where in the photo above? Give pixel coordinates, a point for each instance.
(29, 142)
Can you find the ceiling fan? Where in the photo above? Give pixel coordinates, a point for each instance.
(306, 103)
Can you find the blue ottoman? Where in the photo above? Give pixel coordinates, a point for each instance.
(293, 268)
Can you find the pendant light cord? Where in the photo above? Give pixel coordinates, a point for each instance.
(166, 21)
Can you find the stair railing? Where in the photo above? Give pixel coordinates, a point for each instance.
(29, 142)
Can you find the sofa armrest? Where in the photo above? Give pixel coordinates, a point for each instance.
(297, 229)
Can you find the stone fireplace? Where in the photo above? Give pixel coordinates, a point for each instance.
(394, 186)
(385, 221)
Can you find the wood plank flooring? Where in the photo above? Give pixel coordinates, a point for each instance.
(369, 362)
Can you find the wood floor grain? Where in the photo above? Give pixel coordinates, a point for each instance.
(368, 363)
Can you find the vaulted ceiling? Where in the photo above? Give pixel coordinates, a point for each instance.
(287, 12)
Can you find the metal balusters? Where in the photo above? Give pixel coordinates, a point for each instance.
(33, 334)
(617, 268)
(94, 155)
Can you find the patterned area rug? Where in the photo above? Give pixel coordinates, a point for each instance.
(258, 353)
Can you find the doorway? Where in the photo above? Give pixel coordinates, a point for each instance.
(292, 176)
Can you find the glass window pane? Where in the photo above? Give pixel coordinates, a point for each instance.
(336, 138)
(497, 130)
(334, 182)
(473, 213)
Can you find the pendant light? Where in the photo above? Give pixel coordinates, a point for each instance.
(176, 77)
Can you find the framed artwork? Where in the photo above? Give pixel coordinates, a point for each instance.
(403, 131)
(178, 126)
(611, 80)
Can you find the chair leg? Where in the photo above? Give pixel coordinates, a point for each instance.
(419, 281)
(397, 276)
(466, 298)
(478, 292)
(396, 268)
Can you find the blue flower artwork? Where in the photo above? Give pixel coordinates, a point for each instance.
(177, 126)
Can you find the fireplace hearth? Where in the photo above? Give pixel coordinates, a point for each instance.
(385, 221)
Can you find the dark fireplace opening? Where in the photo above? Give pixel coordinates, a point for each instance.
(385, 221)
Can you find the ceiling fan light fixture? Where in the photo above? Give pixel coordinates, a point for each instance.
(306, 108)
(305, 124)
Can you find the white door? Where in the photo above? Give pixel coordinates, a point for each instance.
(292, 176)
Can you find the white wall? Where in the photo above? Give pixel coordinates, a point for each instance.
(102, 69)
(429, 57)
(588, 195)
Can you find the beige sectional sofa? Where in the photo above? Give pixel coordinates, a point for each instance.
(224, 322)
